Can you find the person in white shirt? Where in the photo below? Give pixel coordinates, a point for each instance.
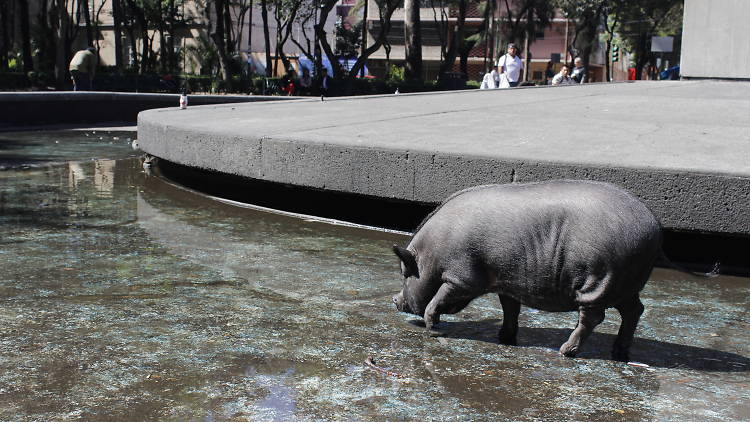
(562, 78)
(491, 80)
(511, 65)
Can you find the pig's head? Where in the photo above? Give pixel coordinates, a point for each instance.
(418, 287)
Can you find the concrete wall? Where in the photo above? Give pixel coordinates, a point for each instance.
(651, 138)
(19, 109)
(715, 43)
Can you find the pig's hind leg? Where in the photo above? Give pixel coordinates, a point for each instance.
(509, 329)
(630, 311)
(588, 319)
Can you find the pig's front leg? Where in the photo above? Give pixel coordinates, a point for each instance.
(449, 299)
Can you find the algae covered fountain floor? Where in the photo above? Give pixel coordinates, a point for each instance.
(123, 297)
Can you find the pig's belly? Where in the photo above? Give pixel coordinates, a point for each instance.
(550, 299)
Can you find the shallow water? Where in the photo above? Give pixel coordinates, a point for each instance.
(126, 298)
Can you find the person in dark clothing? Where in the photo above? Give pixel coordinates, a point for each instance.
(325, 83)
(579, 72)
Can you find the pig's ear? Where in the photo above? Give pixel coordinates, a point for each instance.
(410, 262)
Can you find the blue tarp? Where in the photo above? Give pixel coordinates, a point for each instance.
(307, 63)
(672, 73)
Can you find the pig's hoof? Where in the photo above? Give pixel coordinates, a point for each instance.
(507, 339)
(621, 355)
(431, 321)
(568, 350)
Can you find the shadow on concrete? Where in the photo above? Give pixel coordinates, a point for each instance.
(654, 353)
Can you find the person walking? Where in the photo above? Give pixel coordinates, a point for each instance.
(510, 65)
(82, 68)
(325, 83)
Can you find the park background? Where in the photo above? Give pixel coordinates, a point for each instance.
(375, 46)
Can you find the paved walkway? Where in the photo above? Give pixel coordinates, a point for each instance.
(682, 146)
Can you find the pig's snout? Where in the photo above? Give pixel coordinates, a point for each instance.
(398, 300)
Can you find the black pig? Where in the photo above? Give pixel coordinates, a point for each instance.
(557, 246)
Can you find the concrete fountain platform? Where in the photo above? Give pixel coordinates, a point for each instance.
(682, 146)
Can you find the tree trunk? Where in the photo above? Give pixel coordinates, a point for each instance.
(216, 32)
(117, 21)
(23, 11)
(641, 55)
(5, 18)
(163, 49)
(323, 41)
(412, 39)
(61, 68)
(133, 46)
(250, 27)
(527, 43)
(145, 48)
(87, 19)
(228, 38)
(266, 36)
(172, 65)
(245, 10)
(527, 62)
(363, 47)
(607, 60)
(458, 39)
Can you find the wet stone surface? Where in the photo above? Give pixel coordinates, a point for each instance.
(123, 297)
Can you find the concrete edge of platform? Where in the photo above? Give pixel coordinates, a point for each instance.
(682, 200)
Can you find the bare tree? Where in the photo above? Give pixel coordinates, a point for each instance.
(285, 14)
(385, 12)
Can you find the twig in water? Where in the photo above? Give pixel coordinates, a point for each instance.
(369, 362)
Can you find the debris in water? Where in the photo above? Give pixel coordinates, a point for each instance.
(371, 363)
(639, 364)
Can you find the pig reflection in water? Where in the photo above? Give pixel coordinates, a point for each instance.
(556, 246)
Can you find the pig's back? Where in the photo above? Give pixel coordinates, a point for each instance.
(550, 243)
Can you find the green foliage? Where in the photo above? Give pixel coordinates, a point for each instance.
(204, 55)
(525, 18)
(348, 39)
(15, 65)
(395, 74)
